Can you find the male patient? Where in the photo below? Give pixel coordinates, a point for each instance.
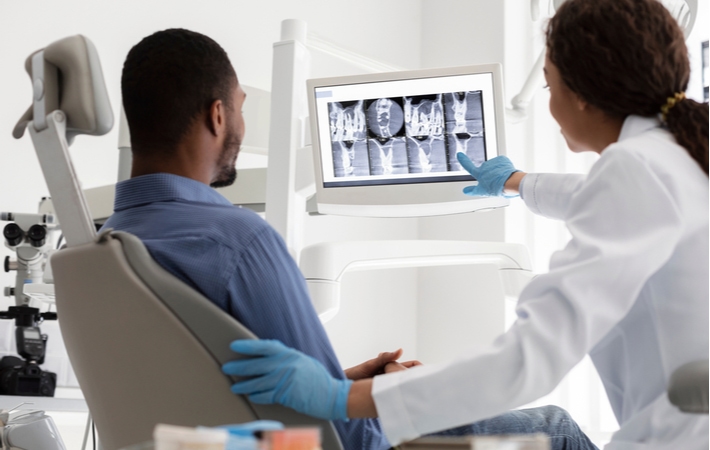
(183, 105)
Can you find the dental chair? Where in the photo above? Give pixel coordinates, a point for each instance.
(145, 347)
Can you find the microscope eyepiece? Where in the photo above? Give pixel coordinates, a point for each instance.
(37, 235)
(13, 234)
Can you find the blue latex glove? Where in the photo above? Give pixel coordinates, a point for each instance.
(491, 175)
(249, 428)
(286, 376)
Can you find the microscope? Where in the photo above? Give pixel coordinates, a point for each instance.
(27, 236)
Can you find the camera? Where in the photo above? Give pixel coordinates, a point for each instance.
(18, 377)
(24, 376)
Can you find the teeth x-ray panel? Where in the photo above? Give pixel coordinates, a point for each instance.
(464, 126)
(416, 134)
(424, 116)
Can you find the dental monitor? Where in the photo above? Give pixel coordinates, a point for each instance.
(385, 144)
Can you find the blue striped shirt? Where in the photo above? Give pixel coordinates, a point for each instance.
(235, 259)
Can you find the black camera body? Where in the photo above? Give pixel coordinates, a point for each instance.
(18, 377)
(24, 376)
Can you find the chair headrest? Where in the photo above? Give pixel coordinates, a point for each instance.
(78, 89)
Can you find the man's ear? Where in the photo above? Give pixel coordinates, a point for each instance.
(216, 118)
(582, 104)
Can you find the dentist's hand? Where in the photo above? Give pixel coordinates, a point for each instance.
(491, 175)
(286, 376)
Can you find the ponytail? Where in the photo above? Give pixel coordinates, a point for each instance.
(687, 120)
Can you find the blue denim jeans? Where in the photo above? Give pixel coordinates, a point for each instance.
(553, 421)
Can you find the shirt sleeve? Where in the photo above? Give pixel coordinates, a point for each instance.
(550, 194)
(621, 211)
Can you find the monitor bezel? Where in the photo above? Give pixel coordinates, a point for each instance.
(421, 199)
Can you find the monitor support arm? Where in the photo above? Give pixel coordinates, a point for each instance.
(323, 265)
(519, 105)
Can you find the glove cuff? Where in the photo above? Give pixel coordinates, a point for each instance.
(340, 408)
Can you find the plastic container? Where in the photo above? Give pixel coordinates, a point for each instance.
(292, 439)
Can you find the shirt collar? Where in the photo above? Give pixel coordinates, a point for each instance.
(635, 125)
(164, 187)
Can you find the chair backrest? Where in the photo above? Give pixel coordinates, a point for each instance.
(147, 349)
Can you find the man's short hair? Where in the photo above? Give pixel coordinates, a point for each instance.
(169, 79)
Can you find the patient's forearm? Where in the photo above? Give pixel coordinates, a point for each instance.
(360, 401)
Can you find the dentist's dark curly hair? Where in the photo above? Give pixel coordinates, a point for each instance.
(629, 57)
(169, 79)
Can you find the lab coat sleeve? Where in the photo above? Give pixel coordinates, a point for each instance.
(624, 227)
(549, 194)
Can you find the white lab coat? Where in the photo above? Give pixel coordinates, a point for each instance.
(630, 289)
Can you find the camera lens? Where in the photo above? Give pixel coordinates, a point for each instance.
(13, 234)
(37, 235)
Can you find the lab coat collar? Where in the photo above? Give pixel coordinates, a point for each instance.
(635, 125)
(164, 187)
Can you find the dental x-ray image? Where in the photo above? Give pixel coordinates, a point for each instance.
(403, 135)
(464, 127)
(384, 117)
(388, 156)
(348, 133)
(424, 119)
(388, 149)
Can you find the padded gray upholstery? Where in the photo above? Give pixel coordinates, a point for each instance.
(688, 387)
(83, 95)
(146, 348)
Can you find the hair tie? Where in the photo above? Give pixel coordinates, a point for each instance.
(670, 103)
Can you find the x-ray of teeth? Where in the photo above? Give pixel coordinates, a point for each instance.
(464, 127)
(347, 121)
(427, 154)
(464, 112)
(350, 159)
(424, 115)
(388, 156)
(385, 117)
(401, 135)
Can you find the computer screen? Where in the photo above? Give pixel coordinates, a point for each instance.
(386, 144)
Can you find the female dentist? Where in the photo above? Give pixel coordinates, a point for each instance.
(630, 288)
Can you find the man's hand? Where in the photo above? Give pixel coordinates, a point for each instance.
(385, 362)
(372, 367)
(395, 366)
